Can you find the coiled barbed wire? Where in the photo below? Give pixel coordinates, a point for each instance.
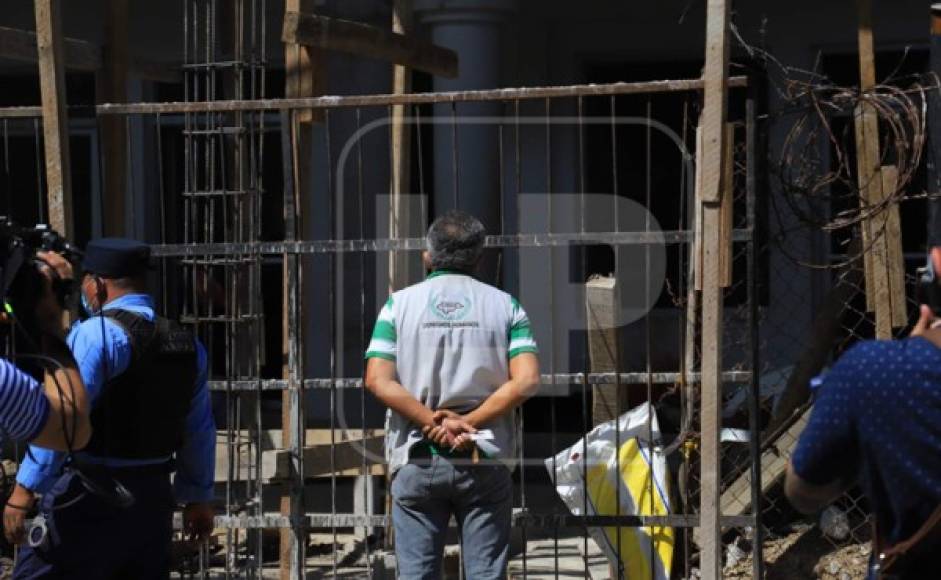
(820, 184)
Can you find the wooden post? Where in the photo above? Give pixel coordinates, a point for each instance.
(304, 77)
(601, 305)
(55, 118)
(882, 259)
(111, 87)
(400, 218)
(710, 157)
(293, 540)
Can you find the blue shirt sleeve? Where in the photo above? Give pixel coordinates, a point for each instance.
(40, 467)
(196, 461)
(24, 407)
(826, 451)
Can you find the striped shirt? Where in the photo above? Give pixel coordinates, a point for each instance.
(24, 407)
(451, 338)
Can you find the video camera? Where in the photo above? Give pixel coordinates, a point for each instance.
(21, 283)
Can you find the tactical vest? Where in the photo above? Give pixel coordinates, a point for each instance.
(141, 413)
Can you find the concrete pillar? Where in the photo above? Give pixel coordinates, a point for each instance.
(475, 29)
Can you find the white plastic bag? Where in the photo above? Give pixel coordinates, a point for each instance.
(629, 444)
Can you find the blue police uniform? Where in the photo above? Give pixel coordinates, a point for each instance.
(92, 537)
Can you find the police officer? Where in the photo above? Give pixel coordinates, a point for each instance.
(109, 511)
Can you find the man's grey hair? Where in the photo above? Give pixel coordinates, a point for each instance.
(455, 241)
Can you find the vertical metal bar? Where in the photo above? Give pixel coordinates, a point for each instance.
(754, 392)
(617, 355)
(454, 166)
(367, 482)
(648, 339)
(39, 172)
(423, 199)
(552, 401)
(294, 374)
(522, 431)
(335, 219)
(162, 200)
(586, 421)
(687, 288)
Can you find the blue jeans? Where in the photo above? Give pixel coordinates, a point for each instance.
(427, 491)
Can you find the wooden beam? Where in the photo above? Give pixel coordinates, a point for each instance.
(726, 217)
(601, 308)
(711, 158)
(55, 118)
(715, 97)
(304, 77)
(885, 282)
(111, 87)
(737, 498)
(400, 216)
(271, 447)
(81, 55)
(304, 69)
(323, 460)
(895, 257)
(369, 41)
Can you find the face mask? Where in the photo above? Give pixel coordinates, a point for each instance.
(86, 306)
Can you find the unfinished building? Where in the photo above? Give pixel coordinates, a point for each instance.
(286, 158)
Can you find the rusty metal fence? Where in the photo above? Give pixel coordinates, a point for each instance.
(282, 285)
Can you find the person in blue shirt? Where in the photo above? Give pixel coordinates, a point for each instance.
(151, 415)
(877, 420)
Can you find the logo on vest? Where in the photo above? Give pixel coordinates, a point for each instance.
(450, 307)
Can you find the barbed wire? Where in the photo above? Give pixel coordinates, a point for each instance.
(820, 186)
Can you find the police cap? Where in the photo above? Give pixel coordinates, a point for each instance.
(116, 257)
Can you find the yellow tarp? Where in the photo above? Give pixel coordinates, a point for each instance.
(624, 476)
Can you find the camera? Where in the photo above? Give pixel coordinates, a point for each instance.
(21, 282)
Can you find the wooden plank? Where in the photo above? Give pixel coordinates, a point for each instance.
(711, 158)
(865, 225)
(715, 97)
(369, 41)
(895, 258)
(111, 87)
(80, 55)
(304, 69)
(725, 211)
(323, 459)
(400, 216)
(736, 499)
(868, 161)
(55, 118)
(601, 308)
(271, 440)
(293, 540)
(601, 305)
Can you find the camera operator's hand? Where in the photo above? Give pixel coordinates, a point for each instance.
(198, 521)
(928, 326)
(14, 514)
(59, 265)
(48, 310)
